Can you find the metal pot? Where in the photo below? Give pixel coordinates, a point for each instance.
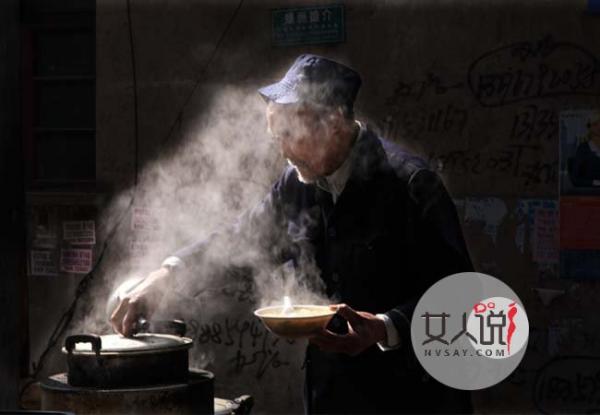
(195, 396)
(113, 361)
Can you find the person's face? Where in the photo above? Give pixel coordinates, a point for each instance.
(308, 138)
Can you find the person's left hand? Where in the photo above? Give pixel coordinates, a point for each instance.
(364, 330)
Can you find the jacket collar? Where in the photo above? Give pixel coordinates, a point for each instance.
(368, 156)
(335, 183)
(366, 160)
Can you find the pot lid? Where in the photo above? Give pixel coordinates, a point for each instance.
(142, 342)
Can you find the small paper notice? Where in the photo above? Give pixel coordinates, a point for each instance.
(76, 261)
(43, 263)
(82, 232)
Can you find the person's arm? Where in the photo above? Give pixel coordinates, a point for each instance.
(249, 242)
(246, 243)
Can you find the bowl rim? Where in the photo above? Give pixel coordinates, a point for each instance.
(326, 312)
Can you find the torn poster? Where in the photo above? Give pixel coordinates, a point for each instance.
(490, 211)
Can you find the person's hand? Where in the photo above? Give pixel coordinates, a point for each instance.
(364, 330)
(140, 301)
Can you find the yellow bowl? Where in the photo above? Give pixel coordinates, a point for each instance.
(302, 322)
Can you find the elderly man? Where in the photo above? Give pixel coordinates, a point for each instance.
(380, 227)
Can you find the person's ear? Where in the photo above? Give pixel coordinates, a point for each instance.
(336, 119)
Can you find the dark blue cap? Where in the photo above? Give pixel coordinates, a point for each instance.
(314, 79)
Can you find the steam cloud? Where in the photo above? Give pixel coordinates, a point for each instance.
(224, 164)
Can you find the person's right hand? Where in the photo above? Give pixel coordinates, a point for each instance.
(141, 301)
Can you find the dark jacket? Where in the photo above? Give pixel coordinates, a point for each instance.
(393, 233)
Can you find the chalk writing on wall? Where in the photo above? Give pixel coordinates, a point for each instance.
(568, 384)
(249, 345)
(415, 122)
(527, 70)
(431, 84)
(532, 123)
(514, 160)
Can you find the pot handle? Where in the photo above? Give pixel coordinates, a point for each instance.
(176, 327)
(93, 339)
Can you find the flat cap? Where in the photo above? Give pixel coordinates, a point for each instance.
(315, 79)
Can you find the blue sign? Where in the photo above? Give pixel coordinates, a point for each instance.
(309, 25)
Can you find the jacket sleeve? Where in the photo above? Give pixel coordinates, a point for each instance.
(438, 236)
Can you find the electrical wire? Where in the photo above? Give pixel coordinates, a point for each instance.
(66, 318)
(135, 98)
(179, 116)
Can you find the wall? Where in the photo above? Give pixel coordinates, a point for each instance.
(439, 76)
(11, 209)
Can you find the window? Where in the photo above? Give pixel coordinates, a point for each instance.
(58, 72)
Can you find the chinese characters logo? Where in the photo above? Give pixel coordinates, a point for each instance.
(466, 338)
(491, 327)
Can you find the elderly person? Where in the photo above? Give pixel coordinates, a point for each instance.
(380, 226)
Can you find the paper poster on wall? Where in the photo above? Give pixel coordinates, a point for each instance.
(82, 232)
(145, 227)
(144, 220)
(538, 224)
(580, 194)
(76, 261)
(140, 245)
(43, 263)
(544, 236)
(490, 211)
(580, 152)
(44, 227)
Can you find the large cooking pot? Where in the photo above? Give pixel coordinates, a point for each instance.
(195, 396)
(115, 361)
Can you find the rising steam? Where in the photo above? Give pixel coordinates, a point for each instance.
(225, 164)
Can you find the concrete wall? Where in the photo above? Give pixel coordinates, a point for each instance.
(422, 62)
